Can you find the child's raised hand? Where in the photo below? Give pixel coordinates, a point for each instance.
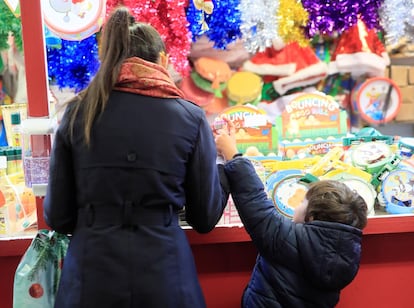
(226, 140)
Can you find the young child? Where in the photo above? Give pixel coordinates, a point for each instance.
(305, 262)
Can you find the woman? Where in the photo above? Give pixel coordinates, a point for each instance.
(129, 154)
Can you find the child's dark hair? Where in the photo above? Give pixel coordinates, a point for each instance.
(333, 201)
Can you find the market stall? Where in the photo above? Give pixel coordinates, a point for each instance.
(225, 256)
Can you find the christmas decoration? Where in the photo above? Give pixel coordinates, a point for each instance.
(359, 51)
(224, 23)
(328, 17)
(74, 64)
(206, 7)
(292, 21)
(397, 19)
(258, 23)
(169, 18)
(9, 23)
(309, 69)
(73, 20)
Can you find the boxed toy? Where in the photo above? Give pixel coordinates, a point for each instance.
(255, 134)
(311, 124)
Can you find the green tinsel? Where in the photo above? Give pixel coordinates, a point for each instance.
(9, 23)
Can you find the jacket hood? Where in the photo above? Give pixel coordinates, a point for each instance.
(330, 253)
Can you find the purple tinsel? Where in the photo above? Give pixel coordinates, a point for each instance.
(328, 17)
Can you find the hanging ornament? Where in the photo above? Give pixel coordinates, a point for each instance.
(397, 19)
(224, 23)
(74, 64)
(328, 17)
(206, 7)
(292, 22)
(74, 20)
(258, 23)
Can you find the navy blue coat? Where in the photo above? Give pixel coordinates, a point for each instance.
(149, 157)
(299, 265)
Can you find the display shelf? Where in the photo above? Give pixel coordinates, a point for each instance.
(387, 224)
(14, 246)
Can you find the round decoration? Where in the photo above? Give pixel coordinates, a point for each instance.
(406, 146)
(286, 191)
(398, 192)
(74, 20)
(371, 156)
(364, 189)
(378, 100)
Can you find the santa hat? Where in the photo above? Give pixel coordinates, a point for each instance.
(309, 69)
(359, 51)
(273, 61)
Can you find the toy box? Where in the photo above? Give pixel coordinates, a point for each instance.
(255, 134)
(311, 124)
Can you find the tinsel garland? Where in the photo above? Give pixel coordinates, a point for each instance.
(328, 17)
(258, 23)
(74, 64)
(9, 23)
(169, 18)
(397, 20)
(292, 21)
(224, 23)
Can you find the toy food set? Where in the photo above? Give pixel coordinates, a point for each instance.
(211, 75)
(244, 88)
(194, 93)
(376, 100)
(255, 134)
(311, 124)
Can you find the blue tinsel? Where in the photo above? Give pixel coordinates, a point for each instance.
(74, 64)
(224, 22)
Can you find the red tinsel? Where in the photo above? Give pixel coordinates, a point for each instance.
(169, 18)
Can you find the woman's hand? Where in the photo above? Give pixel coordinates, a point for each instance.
(226, 140)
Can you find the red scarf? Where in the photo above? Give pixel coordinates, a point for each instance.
(146, 78)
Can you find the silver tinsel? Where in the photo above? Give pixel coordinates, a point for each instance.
(258, 23)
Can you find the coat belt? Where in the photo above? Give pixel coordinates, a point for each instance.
(126, 215)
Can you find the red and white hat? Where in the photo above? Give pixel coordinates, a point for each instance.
(359, 51)
(309, 69)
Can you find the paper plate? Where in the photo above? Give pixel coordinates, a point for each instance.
(398, 192)
(74, 20)
(378, 100)
(286, 191)
(371, 156)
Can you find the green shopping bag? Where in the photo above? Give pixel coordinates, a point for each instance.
(37, 276)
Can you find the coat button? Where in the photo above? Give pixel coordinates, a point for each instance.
(132, 156)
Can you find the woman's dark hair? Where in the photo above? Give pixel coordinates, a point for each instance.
(333, 201)
(122, 38)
